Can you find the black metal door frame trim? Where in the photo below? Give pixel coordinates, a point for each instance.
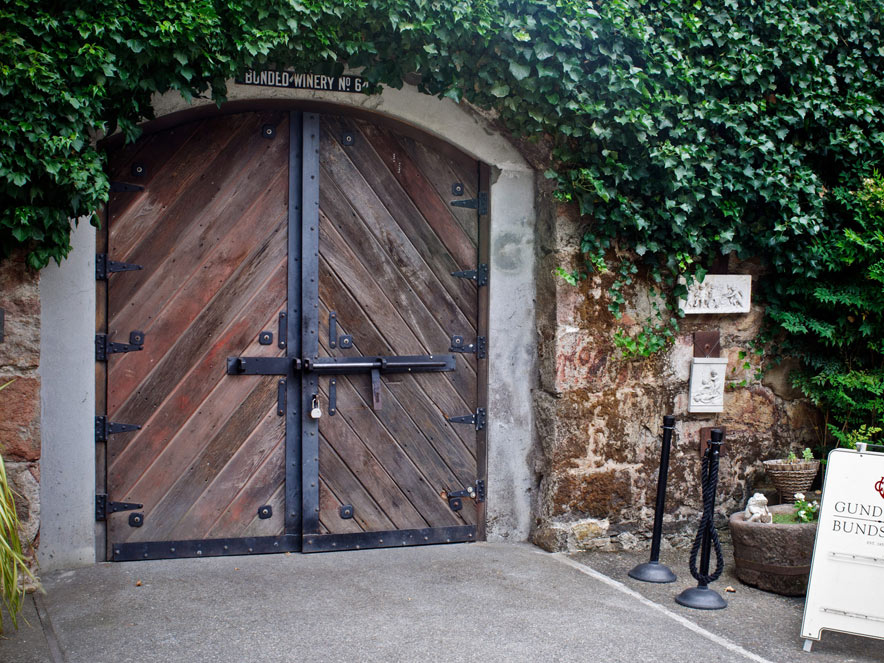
(255, 545)
(309, 327)
(388, 539)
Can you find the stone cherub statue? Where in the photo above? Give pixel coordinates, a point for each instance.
(756, 510)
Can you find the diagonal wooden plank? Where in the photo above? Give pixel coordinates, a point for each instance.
(436, 214)
(273, 526)
(217, 183)
(430, 320)
(165, 414)
(230, 477)
(179, 490)
(258, 490)
(144, 393)
(153, 153)
(220, 206)
(421, 257)
(360, 454)
(415, 423)
(206, 146)
(330, 514)
(408, 459)
(253, 204)
(170, 302)
(361, 281)
(441, 174)
(369, 341)
(342, 482)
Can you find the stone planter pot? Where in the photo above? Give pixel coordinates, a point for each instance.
(790, 478)
(772, 556)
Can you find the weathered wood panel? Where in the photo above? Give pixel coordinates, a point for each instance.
(386, 243)
(210, 230)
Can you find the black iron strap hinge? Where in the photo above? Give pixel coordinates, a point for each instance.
(480, 203)
(103, 428)
(103, 267)
(103, 507)
(479, 348)
(479, 275)
(478, 419)
(103, 347)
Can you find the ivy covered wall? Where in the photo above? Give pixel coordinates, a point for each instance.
(678, 132)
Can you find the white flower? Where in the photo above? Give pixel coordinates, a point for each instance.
(799, 496)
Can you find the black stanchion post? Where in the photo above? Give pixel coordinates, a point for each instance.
(701, 597)
(654, 571)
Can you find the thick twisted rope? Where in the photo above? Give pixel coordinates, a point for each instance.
(710, 485)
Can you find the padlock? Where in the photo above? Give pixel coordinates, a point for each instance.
(315, 410)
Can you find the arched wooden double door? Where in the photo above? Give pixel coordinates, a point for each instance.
(303, 344)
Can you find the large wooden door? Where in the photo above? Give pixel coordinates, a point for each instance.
(389, 242)
(253, 232)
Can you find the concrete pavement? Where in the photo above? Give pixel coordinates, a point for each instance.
(464, 602)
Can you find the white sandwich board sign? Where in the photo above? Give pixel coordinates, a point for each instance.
(847, 571)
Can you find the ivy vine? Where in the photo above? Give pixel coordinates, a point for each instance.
(682, 130)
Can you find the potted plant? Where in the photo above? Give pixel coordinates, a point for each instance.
(792, 475)
(774, 552)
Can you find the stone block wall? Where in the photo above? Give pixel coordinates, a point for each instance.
(600, 416)
(20, 401)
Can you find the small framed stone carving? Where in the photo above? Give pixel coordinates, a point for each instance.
(718, 293)
(706, 393)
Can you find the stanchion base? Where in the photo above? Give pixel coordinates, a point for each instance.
(652, 572)
(701, 598)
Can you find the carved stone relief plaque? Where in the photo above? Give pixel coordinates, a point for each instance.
(706, 393)
(719, 293)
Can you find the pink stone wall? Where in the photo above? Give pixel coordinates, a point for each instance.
(600, 416)
(20, 401)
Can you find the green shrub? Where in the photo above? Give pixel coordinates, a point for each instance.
(833, 318)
